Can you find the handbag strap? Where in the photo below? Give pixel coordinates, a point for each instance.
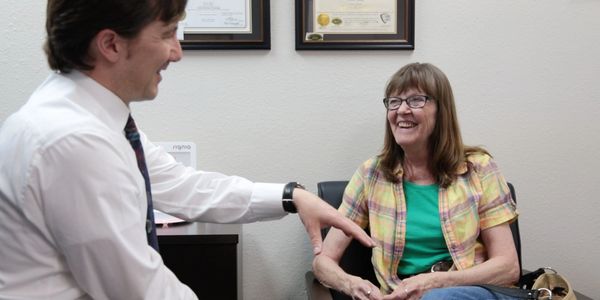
(525, 289)
(512, 292)
(526, 281)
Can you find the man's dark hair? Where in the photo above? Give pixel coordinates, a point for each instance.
(72, 24)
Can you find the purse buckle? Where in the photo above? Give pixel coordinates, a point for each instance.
(441, 266)
(540, 295)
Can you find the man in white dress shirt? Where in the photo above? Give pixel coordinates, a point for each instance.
(72, 199)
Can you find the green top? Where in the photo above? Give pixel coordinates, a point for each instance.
(425, 244)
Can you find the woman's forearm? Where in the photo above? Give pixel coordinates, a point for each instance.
(330, 274)
(496, 271)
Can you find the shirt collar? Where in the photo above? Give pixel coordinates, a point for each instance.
(462, 169)
(102, 102)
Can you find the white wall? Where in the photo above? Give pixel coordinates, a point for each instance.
(525, 75)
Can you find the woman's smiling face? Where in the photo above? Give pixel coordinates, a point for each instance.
(412, 127)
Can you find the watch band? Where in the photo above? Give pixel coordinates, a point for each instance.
(288, 196)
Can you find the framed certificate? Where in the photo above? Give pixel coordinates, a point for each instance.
(225, 24)
(355, 24)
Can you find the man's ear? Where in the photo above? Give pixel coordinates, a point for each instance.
(108, 46)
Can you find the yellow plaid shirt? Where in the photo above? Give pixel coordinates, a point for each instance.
(478, 199)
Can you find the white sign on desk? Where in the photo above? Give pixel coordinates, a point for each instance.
(183, 152)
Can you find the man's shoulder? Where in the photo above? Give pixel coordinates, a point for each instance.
(53, 111)
(31, 132)
(47, 124)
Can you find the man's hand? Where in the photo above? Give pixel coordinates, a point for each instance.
(316, 214)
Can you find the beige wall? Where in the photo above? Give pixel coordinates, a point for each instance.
(525, 75)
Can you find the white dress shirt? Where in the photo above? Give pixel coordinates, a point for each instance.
(73, 202)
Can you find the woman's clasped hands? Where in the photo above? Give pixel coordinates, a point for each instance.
(411, 288)
(361, 289)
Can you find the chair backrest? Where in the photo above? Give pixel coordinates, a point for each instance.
(357, 258)
(514, 228)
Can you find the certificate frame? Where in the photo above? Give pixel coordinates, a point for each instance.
(259, 36)
(309, 39)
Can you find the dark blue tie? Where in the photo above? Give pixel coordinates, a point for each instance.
(133, 136)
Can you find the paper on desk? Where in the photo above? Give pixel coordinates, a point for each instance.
(163, 218)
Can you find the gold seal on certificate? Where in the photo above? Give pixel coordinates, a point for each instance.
(323, 19)
(355, 16)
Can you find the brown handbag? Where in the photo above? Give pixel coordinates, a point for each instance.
(556, 283)
(542, 284)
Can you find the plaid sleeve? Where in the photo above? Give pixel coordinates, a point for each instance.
(496, 205)
(354, 203)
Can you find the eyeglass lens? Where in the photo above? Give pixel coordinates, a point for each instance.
(416, 101)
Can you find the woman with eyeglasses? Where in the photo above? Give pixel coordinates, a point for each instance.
(431, 203)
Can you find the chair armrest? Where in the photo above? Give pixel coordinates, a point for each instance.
(314, 289)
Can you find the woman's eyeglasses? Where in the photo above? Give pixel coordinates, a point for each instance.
(416, 101)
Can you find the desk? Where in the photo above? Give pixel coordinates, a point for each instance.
(205, 257)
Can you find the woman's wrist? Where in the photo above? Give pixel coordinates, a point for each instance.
(448, 279)
(348, 283)
(439, 280)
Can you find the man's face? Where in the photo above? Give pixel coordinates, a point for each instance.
(147, 55)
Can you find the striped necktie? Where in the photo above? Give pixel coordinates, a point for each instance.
(131, 133)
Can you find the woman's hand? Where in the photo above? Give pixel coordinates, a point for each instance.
(327, 270)
(413, 288)
(359, 288)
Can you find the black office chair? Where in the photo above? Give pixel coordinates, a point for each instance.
(357, 258)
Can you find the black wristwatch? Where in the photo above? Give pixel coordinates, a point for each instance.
(288, 195)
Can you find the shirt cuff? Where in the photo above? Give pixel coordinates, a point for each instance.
(267, 200)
